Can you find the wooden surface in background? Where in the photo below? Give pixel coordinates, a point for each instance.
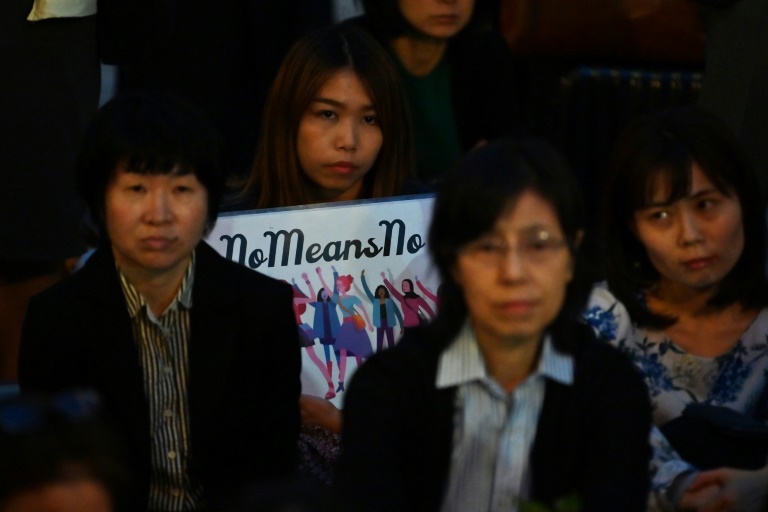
(650, 30)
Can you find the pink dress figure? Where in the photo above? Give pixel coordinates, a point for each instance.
(306, 334)
(351, 340)
(410, 303)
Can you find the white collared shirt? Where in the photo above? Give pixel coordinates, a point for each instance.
(493, 430)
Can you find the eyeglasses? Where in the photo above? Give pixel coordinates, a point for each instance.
(25, 414)
(533, 247)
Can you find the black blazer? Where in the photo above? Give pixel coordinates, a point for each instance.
(591, 440)
(244, 364)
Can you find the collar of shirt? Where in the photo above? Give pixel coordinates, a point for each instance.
(136, 301)
(461, 362)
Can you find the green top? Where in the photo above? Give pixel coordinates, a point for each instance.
(436, 145)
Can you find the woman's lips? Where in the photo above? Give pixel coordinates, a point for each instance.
(157, 243)
(516, 307)
(699, 263)
(342, 167)
(445, 19)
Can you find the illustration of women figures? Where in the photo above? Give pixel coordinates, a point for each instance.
(426, 291)
(325, 322)
(386, 315)
(351, 339)
(410, 301)
(307, 334)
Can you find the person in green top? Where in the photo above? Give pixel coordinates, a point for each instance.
(460, 78)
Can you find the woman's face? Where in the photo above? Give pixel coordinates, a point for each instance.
(338, 139)
(382, 293)
(693, 242)
(514, 277)
(438, 19)
(406, 286)
(341, 285)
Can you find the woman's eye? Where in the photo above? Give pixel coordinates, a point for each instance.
(659, 215)
(706, 204)
(371, 120)
(490, 246)
(327, 114)
(136, 188)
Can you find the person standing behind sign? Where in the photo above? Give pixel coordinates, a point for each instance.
(171, 334)
(335, 128)
(460, 77)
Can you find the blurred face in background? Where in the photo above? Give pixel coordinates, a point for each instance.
(69, 496)
(437, 19)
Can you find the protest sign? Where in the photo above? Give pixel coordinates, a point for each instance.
(360, 271)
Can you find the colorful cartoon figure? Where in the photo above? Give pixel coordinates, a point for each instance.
(325, 322)
(307, 334)
(386, 315)
(352, 339)
(411, 302)
(426, 291)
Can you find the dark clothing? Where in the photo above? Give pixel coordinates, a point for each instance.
(736, 74)
(485, 83)
(244, 364)
(220, 56)
(50, 76)
(591, 439)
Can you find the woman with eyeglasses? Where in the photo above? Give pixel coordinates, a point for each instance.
(505, 399)
(684, 231)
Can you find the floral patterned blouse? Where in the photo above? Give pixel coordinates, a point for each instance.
(675, 378)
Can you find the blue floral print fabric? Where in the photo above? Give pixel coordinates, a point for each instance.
(675, 378)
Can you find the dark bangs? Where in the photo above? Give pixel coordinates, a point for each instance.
(151, 133)
(478, 192)
(661, 148)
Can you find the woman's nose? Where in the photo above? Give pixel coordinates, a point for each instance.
(689, 228)
(346, 135)
(158, 208)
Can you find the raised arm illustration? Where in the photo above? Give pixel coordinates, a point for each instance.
(386, 314)
(410, 302)
(307, 335)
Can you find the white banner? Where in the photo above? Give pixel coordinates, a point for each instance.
(373, 244)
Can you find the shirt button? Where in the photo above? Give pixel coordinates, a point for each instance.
(171, 454)
(168, 413)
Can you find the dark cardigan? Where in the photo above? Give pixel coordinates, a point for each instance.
(591, 440)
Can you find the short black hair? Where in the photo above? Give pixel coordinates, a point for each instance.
(152, 133)
(478, 192)
(666, 144)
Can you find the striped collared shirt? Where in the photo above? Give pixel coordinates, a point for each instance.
(493, 430)
(163, 343)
